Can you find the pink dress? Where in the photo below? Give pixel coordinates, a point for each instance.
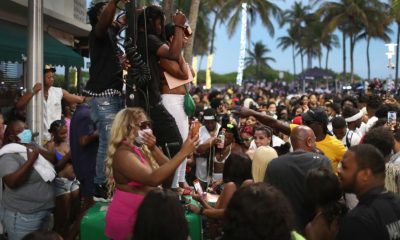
(122, 211)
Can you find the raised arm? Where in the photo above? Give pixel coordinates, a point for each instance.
(106, 18)
(126, 163)
(178, 69)
(173, 52)
(24, 99)
(72, 98)
(264, 119)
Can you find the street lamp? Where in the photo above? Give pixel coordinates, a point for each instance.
(390, 53)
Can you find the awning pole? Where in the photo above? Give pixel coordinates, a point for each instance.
(35, 66)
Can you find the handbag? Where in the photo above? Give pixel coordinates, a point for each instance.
(188, 104)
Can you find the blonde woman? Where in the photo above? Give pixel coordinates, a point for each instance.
(262, 156)
(135, 165)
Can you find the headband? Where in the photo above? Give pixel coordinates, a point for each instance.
(354, 117)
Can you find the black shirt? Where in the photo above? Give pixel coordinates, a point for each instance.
(105, 70)
(288, 174)
(153, 44)
(377, 216)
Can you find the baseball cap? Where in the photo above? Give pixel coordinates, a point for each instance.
(210, 114)
(315, 115)
(48, 68)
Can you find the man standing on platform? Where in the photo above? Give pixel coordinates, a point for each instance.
(105, 82)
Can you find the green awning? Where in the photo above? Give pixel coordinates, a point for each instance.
(14, 40)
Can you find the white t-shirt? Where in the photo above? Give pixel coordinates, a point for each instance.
(52, 109)
(371, 122)
(353, 137)
(201, 162)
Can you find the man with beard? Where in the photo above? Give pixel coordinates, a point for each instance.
(377, 215)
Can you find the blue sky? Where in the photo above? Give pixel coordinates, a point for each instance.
(227, 51)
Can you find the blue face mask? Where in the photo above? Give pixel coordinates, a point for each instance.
(25, 136)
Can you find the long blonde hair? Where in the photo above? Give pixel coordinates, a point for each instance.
(124, 127)
(262, 156)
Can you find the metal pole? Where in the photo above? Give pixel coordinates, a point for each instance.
(35, 66)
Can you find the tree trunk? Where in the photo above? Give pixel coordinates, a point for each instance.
(344, 56)
(352, 44)
(194, 12)
(213, 33)
(396, 77)
(309, 61)
(168, 7)
(294, 63)
(327, 57)
(302, 62)
(368, 61)
(320, 61)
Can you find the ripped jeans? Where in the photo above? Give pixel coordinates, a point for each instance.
(103, 111)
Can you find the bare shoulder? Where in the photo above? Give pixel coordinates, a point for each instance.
(124, 153)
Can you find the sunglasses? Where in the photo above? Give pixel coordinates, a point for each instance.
(145, 125)
(249, 139)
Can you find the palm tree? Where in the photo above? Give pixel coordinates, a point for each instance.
(194, 12)
(289, 41)
(296, 18)
(168, 7)
(310, 40)
(215, 7)
(263, 8)
(378, 28)
(349, 16)
(258, 57)
(328, 41)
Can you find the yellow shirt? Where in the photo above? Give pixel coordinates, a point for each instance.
(331, 147)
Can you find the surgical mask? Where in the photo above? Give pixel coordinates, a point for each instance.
(25, 136)
(139, 137)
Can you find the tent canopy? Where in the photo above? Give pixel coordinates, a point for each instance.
(14, 40)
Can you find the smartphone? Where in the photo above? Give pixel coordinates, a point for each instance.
(197, 186)
(391, 117)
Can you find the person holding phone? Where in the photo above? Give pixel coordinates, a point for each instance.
(173, 99)
(135, 166)
(237, 171)
(151, 44)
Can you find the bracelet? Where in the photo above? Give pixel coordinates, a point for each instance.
(180, 26)
(33, 91)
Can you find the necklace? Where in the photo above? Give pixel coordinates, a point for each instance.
(226, 156)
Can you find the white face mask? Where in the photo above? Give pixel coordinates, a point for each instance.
(139, 137)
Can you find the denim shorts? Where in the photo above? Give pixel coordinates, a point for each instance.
(64, 186)
(18, 225)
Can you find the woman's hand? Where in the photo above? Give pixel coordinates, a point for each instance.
(179, 18)
(149, 140)
(190, 144)
(197, 197)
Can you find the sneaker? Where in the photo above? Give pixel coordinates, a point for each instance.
(100, 193)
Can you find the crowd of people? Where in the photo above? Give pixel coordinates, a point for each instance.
(315, 166)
